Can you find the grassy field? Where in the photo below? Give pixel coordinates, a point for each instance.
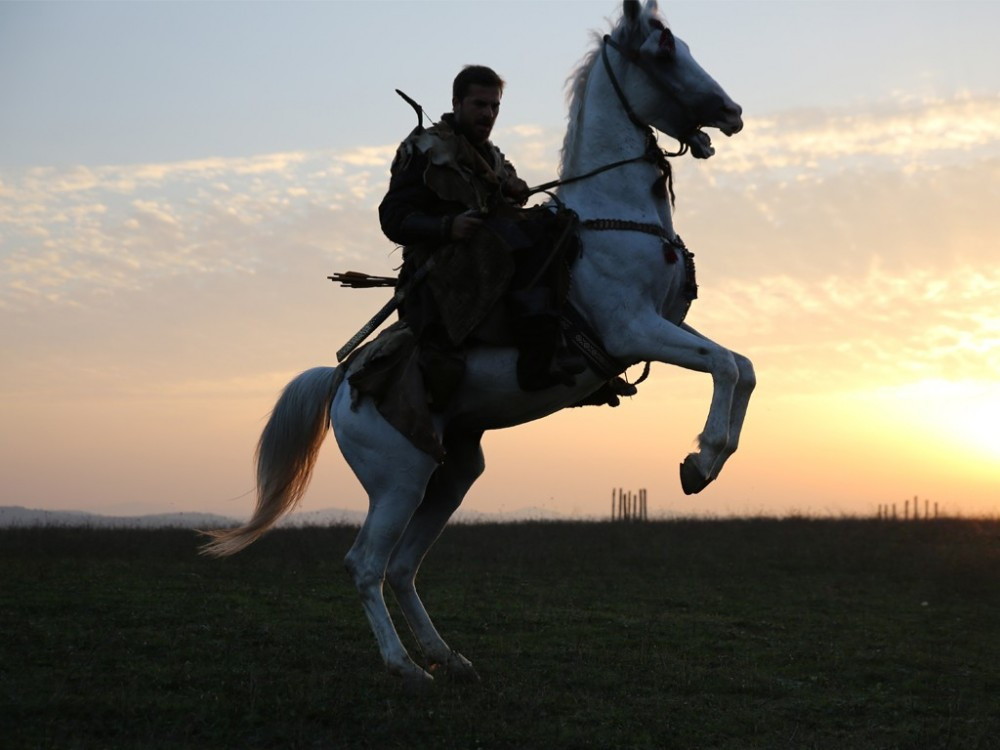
(685, 634)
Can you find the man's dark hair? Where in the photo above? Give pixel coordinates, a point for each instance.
(474, 75)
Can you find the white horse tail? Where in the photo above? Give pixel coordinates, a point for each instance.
(286, 454)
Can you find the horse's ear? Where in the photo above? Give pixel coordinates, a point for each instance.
(631, 10)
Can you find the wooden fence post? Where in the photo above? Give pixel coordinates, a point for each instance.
(629, 506)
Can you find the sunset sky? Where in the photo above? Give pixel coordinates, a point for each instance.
(177, 180)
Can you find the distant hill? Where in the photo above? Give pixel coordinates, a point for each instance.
(13, 515)
(16, 516)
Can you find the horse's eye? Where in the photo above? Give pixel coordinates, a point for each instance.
(656, 23)
(667, 43)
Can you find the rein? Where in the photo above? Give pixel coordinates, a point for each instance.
(607, 167)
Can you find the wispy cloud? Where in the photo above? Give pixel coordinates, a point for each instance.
(906, 133)
(817, 239)
(67, 234)
(377, 157)
(878, 327)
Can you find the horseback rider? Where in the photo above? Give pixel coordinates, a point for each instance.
(455, 198)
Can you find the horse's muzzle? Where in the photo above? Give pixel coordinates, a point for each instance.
(731, 122)
(719, 111)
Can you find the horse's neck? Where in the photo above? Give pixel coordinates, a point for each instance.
(604, 135)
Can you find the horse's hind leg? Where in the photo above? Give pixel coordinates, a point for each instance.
(445, 491)
(395, 474)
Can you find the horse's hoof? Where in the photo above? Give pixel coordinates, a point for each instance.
(455, 668)
(412, 676)
(692, 480)
(415, 682)
(458, 669)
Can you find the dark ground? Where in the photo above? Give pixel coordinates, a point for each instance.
(685, 634)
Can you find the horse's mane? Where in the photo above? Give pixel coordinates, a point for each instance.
(576, 83)
(576, 89)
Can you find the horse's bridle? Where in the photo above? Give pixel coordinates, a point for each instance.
(635, 57)
(653, 153)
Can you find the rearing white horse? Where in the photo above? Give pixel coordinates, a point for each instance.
(632, 283)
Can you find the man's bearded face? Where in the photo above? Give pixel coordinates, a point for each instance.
(477, 111)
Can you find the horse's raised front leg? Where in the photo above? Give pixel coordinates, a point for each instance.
(395, 474)
(745, 384)
(445, 491)
(651, 337)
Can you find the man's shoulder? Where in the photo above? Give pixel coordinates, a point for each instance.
(407, 151)
(421, 142)
(441, 134)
